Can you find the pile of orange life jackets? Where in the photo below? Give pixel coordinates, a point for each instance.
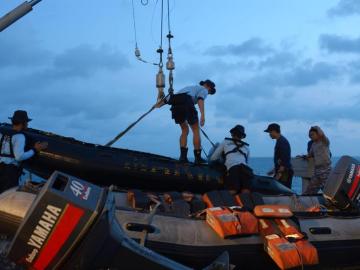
(283, 242)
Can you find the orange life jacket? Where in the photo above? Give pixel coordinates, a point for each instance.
(283, 253)
(272, 211)
(292, 249)
(308, 252)
(227, 222)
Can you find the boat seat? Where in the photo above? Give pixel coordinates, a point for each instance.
(197, 205)
(219, 198)
(176, 205)
(249, 200)
(142, 201)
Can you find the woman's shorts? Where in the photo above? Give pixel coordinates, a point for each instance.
(183, 109)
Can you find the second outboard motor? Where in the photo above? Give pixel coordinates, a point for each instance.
(343, 186)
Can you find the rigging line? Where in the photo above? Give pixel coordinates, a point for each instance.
(207, 156)
(137, 50)
(207, 137)
(168, 11)
(122, 133)
(152, 21)
(134, 22)
(162, 22)
(160, 50)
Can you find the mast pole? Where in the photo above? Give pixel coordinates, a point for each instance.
(17, 13)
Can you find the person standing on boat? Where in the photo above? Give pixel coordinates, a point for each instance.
(236, 154)
(12, 151)
(282, 170)
(320, 151)
(185, 114)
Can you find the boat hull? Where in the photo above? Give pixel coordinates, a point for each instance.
(175, 241)
(105, 166)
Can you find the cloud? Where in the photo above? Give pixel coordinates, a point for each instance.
(80, 84)
(355, 72)
(21, 50)
(345, 8)
(84, 60)
(309, 74)
(280, 59)
(274, 82)
(339, 44)
(306, 104)
(251, 47)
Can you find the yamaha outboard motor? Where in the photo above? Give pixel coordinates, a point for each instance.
(58, 219)
(343, 186)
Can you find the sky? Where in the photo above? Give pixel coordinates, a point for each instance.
(71, 65)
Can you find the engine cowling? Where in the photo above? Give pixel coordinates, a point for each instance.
(343, 186)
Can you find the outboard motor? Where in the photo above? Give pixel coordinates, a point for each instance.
(58, 219)
(343, 186)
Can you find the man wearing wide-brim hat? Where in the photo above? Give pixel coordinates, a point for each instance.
(14, 150)
(236, 154)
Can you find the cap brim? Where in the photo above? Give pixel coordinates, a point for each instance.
(213, 91)
(28, 120)
(267, 130)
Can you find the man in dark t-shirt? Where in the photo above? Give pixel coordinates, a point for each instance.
(282, 156)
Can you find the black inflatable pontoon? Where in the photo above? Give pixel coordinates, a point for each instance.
(107, 166)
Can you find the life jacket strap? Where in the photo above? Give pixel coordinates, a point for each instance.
(237, 149)
(2, 141)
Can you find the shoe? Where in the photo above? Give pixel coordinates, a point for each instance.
(183, 155)
(198, 158)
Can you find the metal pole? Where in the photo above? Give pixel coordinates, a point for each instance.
(17, 13)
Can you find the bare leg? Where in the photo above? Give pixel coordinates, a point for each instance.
(196, 136)
(184, 134)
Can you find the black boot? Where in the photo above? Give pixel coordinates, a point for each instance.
(183, 155)
(198, 158)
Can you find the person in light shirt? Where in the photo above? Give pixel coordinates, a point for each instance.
(13, 151)
(185, 115)
(236, 154)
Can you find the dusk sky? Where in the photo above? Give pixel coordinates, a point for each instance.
(71, 64)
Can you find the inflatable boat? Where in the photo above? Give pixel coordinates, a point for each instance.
(105, 166)
(72, 224)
